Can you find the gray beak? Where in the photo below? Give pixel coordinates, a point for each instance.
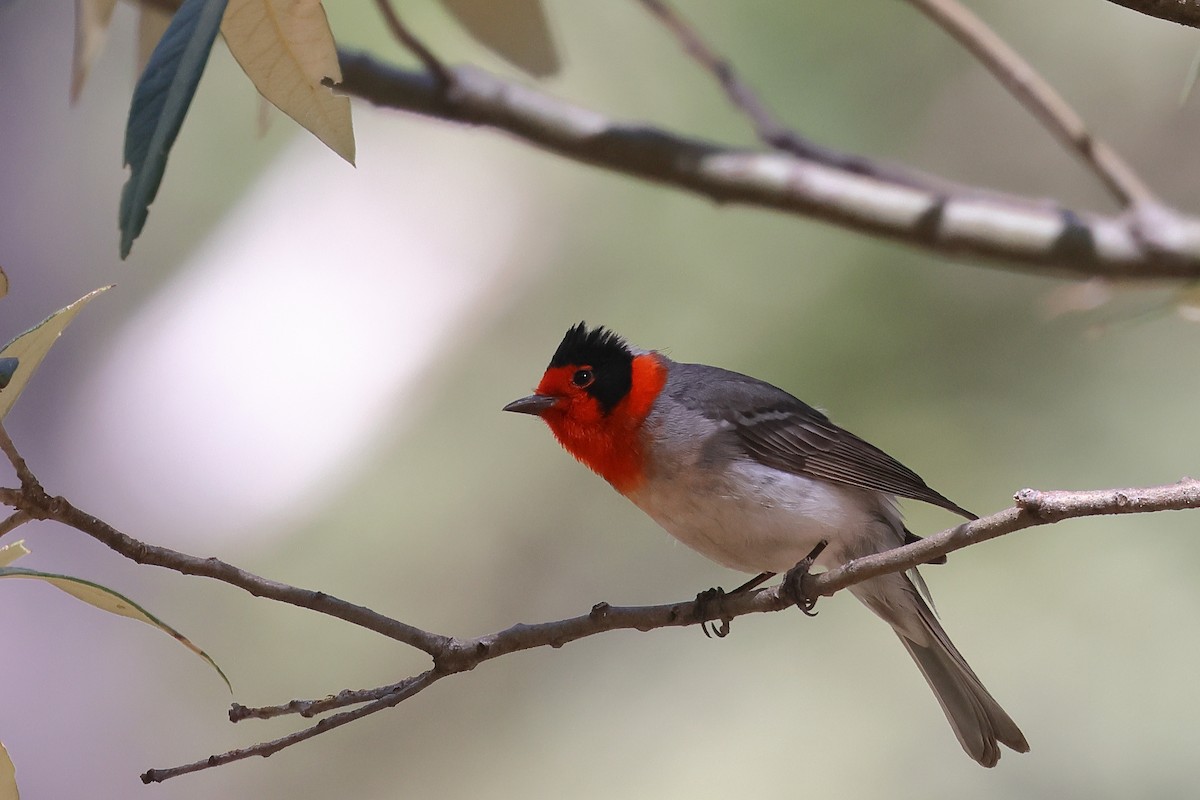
(534, 404)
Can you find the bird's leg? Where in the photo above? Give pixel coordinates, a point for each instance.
(793, 581)
(753, 582)
(717, 595)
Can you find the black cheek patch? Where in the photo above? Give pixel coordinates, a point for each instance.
(612, 384)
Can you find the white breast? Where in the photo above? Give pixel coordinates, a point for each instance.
(755, 518)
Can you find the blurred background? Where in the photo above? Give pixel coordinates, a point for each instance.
(302, 367)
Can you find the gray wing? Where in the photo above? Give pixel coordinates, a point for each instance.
(782, 432)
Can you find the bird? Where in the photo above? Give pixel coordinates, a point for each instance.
(754, 479)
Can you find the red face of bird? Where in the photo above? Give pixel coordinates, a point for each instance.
(594, 395)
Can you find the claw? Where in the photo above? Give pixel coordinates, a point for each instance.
(717, 594)
(703, 601)
(795, 578)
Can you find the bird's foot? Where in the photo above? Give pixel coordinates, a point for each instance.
(717, 595)
(796, 578)
(704, 602)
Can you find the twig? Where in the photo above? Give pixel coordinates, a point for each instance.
(415, 45)
(1032, 508)
(24, 475)
(311, 708)
(38, 505)
(1184, 12)
(1014, 231)
(265, 749)
(769, 129)
(14, 521)
(1038, 97)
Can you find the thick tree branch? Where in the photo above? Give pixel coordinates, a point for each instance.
(1024, 232)
(1185, 12)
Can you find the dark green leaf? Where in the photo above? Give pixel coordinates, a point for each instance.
(160, 101)
(7, 367)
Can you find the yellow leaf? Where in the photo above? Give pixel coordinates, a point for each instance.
(11, 552)
(3, 283)
(91, 29)
(31, 347)
(152, 24)
(286, 48)
(515, 30)
(8, 777)
(107, 600)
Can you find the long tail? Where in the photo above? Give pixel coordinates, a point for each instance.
(976, 718)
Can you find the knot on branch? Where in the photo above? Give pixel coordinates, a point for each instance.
(1033, 502)
(460, 655)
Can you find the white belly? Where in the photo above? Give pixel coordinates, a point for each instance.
(765, 520)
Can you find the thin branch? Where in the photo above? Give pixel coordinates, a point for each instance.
(1185, 12)
(1038, 97)
(14, 521)
(451, 655)
(1032, 508)
(265, 749)
(40, 506)
(415, 45)
(1031, 234)
(769, 129)
(24, 475)
(311, 708)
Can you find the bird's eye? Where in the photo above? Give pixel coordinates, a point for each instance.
(583, 378)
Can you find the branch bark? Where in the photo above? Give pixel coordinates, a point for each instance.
(1185, 12)
(925, 211)
(453, 655)
(1032, 508)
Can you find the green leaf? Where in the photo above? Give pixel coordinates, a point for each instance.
(160, 102)
(8, 777)
(31, 347)
(106, 599)
(8, 368)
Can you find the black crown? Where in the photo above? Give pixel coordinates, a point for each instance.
(594, 348)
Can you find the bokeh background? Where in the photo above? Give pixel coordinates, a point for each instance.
(302, 367)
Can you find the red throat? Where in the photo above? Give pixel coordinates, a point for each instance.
(611, 444)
